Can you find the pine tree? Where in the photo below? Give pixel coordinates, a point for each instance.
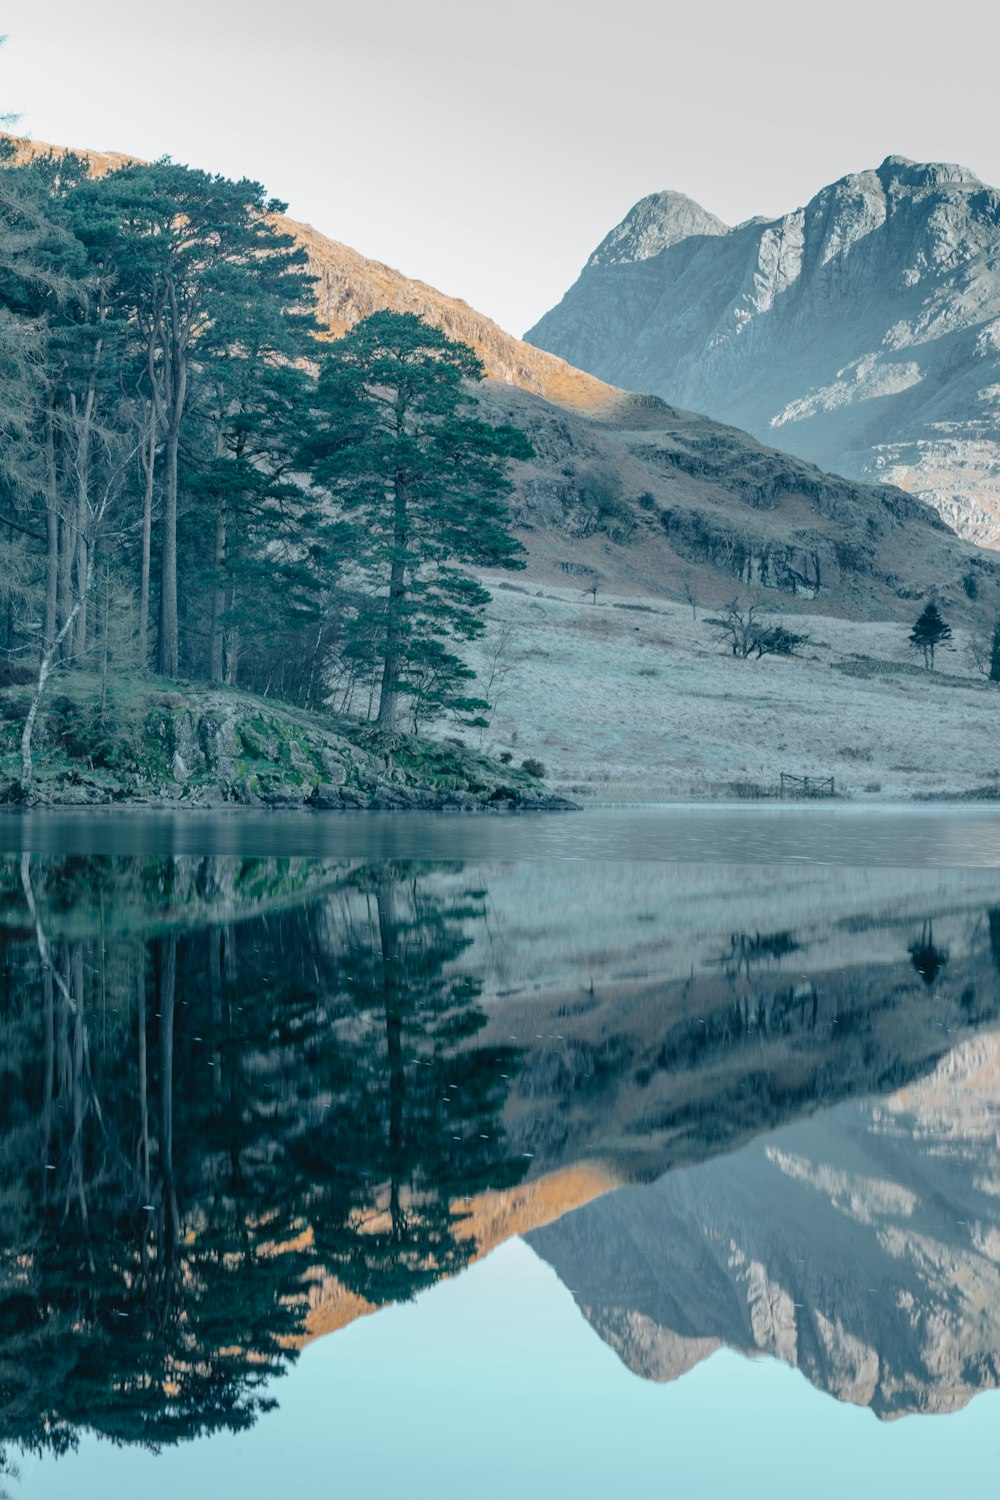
(209, 279)
(929, 631)
(426, 483)
(994, 673)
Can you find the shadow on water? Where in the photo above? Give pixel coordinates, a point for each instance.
(244, 1100)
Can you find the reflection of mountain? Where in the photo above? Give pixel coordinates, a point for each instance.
(220, 1137)
(862, 1246)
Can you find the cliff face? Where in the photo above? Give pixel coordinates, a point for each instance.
(861, 332)
(862, 1246)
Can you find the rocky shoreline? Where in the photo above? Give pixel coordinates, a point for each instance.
(146, 745)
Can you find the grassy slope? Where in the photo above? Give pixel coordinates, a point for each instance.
(632, 699)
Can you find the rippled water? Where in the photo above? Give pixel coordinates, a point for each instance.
(380, 1155)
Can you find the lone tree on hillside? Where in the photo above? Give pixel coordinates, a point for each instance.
(929, 631)
(746, 635)
(994, 672)
(426, 484)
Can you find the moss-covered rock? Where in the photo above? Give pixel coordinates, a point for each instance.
(140, 743)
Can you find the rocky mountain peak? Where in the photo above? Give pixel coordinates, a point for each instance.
(908, 173)
(654, 224)
(860, 332)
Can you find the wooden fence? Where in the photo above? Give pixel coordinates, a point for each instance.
(806, 786)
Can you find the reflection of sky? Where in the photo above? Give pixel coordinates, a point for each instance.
(492, 1386)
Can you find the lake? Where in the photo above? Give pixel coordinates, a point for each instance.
(379, 1154)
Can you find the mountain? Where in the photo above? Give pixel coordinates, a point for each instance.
(861, 332)
(861, 1246)
(640, 520)
(644, 497)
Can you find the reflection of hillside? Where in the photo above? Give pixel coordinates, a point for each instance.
(766, 1025)
(483, 1221)
(221, 1137)
(862, 1246)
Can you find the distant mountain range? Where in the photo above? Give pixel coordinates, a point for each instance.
(861, 332)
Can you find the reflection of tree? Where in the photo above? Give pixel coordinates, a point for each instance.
(925, 957)
(195, 1125)
(423, 1116)
(748, 951)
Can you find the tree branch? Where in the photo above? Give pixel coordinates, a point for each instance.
(25, 530)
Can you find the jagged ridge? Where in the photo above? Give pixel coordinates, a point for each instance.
(861, 331)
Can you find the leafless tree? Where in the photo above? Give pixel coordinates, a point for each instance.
(741, 629)
(92, 515)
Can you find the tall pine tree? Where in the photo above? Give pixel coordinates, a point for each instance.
(426, 481)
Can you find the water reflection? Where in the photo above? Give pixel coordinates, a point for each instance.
(244, 1101)
(862, 1246)
(198, 1124)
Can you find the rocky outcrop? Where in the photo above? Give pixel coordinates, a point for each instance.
(209, 747)
(644, 498)
(861, 332)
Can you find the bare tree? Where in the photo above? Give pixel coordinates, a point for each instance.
(690, 595)
(498, 668)
(746, 635)
(92, 514)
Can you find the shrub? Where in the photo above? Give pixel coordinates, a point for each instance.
(505, 757)
(533, 767)
(14, 674)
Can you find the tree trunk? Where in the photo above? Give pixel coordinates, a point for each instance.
(82, 561)
(388, 703)
(168, 657)
(50, 655)
(149, 472)
(388, 926)
(67, 555)
(52, 533)
(167, 988)
(219, 590)
(143, 1073)
(44, 672)
(48, 993)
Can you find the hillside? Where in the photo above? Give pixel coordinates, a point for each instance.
(642, 497)
(861, 332)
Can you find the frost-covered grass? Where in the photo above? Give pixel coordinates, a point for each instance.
(631, 699)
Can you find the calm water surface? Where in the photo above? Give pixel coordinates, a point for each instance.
(398, 1154)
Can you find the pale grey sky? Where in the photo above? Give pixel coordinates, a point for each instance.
(487, 149)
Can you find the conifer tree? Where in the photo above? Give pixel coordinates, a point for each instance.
(426, 482)
(929, 631)
(208, 278)
(994, 672)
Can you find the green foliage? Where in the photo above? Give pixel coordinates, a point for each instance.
(158, 404)
(929, 631)
(994, 672)
(399, 450)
